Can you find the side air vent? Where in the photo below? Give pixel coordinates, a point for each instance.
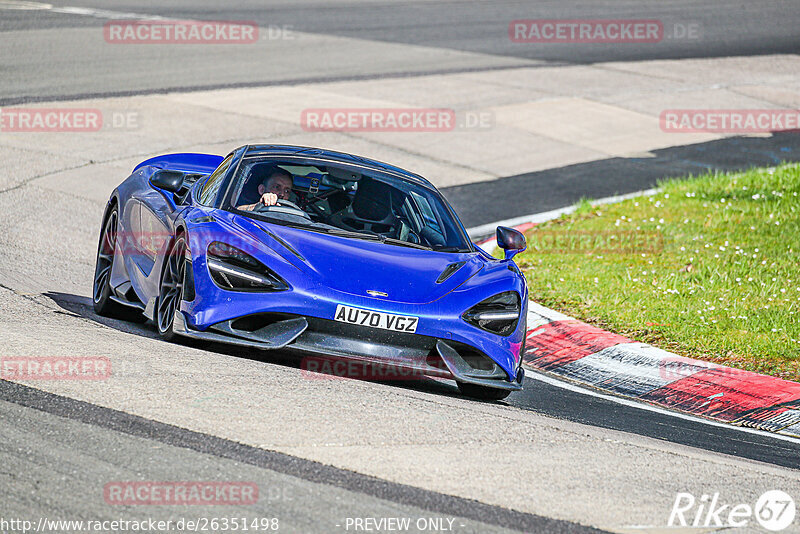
(449, 271)
(286, 245)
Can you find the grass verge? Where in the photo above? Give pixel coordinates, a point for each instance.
(709, 267)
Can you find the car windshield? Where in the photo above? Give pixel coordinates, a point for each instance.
(347, 202)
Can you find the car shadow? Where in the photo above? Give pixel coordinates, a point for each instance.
(81, 306)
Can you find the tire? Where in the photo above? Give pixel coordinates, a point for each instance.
(101, 288)
(483, 392)
(170, 289)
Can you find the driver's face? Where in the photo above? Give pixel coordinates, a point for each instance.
(280, 185)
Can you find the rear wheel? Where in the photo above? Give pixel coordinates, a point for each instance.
(101, 289)
(171, 289)
(483, 392)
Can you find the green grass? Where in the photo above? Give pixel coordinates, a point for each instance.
(714, 274)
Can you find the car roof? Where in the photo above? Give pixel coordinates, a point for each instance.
(331, 156)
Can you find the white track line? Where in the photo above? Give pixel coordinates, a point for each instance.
(84, 11)
(487, 229)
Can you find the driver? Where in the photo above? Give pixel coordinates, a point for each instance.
(277, 186)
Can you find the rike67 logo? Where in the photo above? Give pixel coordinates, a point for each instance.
(774, 510)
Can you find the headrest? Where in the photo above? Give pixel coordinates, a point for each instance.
(373, 200)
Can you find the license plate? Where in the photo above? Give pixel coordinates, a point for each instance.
(374, 319)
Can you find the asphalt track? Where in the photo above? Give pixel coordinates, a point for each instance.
(727, 28)
(59, 444)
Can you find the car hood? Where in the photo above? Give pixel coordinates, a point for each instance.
(355, 266)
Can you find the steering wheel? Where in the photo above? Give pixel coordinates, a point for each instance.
(283, 206)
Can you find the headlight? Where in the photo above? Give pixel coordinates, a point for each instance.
(498, 314)
(236, 270)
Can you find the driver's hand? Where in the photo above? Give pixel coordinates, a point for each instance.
(269, 199)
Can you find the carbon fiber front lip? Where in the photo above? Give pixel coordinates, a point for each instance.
(463, 372)
(293, 334)
(274, 336)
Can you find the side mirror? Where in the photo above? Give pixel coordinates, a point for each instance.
(510, 240)
(168, 180)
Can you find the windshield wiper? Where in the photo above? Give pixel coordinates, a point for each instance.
(348, 233)
(449, 249)
(401, 243)
(374, 237)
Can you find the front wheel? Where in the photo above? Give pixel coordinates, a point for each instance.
(483, 392)
(101, 288)
(170, 292)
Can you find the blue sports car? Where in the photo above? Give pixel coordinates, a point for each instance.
(332, 255)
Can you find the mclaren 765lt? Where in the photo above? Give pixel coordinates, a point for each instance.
(357, 260)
